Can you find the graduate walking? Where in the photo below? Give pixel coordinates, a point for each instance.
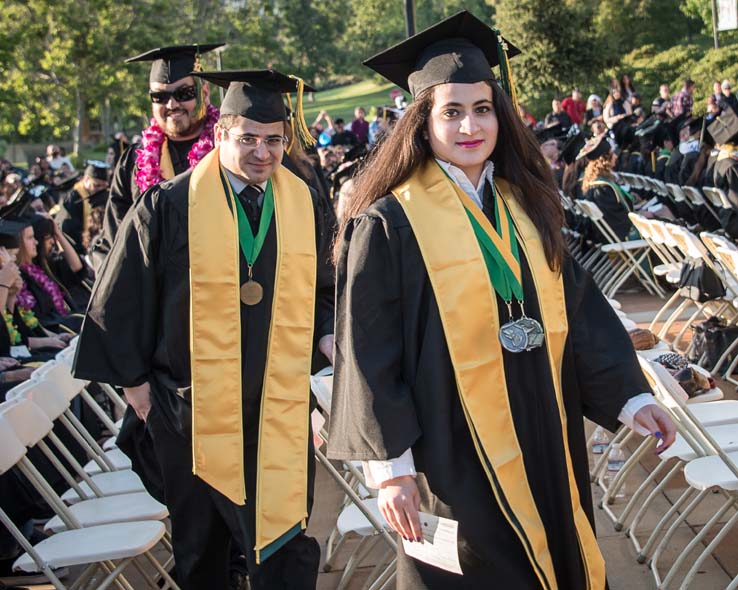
(469, 345)
(207, 312)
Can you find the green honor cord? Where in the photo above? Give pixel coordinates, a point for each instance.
(251, 244)
(503, 278)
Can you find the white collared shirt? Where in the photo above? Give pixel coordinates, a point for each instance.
(238, 185)
(475, 193)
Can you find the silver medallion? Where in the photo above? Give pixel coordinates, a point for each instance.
(521, 335)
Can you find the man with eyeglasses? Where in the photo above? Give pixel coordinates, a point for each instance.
(180, 134)
(213, 347)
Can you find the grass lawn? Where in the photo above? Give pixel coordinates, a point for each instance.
(341, 102)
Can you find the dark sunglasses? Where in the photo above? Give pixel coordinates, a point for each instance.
(181, 94)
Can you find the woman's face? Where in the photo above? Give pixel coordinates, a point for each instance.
(463, 126)
(29, 243)
(48, 244)
(616, 94)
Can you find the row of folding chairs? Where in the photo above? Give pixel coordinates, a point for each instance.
(105, 521)
(613, 261)
(359, 515)
(711, 198)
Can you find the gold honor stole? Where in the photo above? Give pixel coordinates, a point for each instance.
(166, 168)
(215, 346)
(468, 308)
(86, 208)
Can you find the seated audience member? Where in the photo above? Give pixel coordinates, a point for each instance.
(42, 294)
(341, 135)
(557, 115)
(593, 112)
(599, 186)
(728, 99)
(360, 126)
(615, 108)
(89, 193)
(574, 106)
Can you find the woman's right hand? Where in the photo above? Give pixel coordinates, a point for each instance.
(139, 398)
(9, 274)
(399, 501)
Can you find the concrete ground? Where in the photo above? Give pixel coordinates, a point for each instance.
(624, 572)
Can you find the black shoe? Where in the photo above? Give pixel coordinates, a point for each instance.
(239, 574)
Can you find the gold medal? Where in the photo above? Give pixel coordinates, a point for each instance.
(251, 292)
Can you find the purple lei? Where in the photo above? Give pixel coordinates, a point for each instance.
(24, 298)
(48, 285)
(148, 155)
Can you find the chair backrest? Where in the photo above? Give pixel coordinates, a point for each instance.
(13, 450)
(321, 384)
(726, 254)
(44, 394)
(676, 192)
(60, 374)
(28, 421)
(720, 196)
(693, 195)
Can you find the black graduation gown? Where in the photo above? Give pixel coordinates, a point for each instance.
(394, 389)
(45, 311)
(123, 188)
(70, 217)
(137, 324)
(673, 165)
(726, 178)
(614, 211)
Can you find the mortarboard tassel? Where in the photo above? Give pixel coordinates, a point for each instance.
(506, 78)
(200, 106)
(297, 118)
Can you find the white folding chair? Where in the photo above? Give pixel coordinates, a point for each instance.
(107, 483)
(109, 549)
(359, 515)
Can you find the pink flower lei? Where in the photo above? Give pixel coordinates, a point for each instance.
(148, 155)
(28, 301)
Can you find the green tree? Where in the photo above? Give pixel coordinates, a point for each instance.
(558, 42)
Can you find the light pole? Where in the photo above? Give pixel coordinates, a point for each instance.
(410, 17)
(713, 5)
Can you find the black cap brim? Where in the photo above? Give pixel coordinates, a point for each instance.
(174, 62)
(254, 94)
(401, 60)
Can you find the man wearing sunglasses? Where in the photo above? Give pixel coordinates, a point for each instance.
(180, 134)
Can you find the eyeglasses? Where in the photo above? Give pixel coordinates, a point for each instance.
(254, 141)
(181, 94)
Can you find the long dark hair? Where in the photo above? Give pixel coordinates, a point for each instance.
(517, 159)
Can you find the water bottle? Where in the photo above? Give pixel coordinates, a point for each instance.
(615, 462)
(600, 440)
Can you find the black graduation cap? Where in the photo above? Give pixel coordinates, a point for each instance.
(594, 148)
(571, 148)
(97, 169)
(255, 94)
(460, 49)
(694, 124)
(553, 131)
(724, 128)
(174, 62)
(13, 220)
(648, 127)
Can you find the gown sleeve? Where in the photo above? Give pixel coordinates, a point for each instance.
(121, 196)
(373, 412)
(325, 230)
(118, 337)
(606, 366)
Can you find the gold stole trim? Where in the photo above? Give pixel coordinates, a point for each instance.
(86, 208)
(166, 168)
(459, 276)
(215, 346)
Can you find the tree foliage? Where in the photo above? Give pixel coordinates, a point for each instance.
(62, 71)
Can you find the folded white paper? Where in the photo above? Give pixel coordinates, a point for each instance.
(440, 546)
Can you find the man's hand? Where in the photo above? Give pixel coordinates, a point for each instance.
(139, 398)
(399, 501)
(7, 362)
(325, 345)
(658, 423)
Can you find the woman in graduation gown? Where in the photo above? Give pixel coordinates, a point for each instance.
(599, 187)
(435, 386)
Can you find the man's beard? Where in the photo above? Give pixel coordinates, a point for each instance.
(183, 126)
